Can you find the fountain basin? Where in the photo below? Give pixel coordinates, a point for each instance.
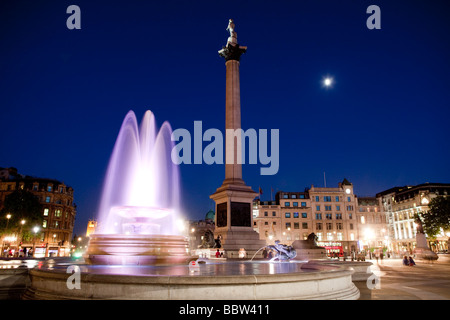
(137, 249)
(216, 281)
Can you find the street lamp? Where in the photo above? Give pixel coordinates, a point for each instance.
(8, 216)
(35, 230)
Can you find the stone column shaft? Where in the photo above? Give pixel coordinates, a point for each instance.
(233, 172)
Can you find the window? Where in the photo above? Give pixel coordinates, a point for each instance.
(46, 212)
(329, 236)
(294, 196)
(338, 216)
(318, 216)
(288, 225)
(44, 224)
(351, 226)
(296, 225)
(329, 216)
(287, 204)
(363, 220)
(303, 204)
(319, 236)
(49, 188)
(319, 226)
(352, 236)
(295, 204)
(339, 226)
(329, 226)
(58, 213)
(339, 236)
(348, 199)
(338, 208)
(47, 199)
(302, 196)
(295, 214)
(327, 208)
(304, 215)
(274, 214)
(337, 198)
(266, 213)
(327, 198)
(285, 196)
(350, 216)
(318, 208)
(317, 198)
(287, 215)
(349, 208)
(35, 187)
(304, 225)
(266, 223)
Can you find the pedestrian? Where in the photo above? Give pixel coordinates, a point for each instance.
(405, 261)
(270, 256)
(411, 261)
(265, 253)
(217, 253)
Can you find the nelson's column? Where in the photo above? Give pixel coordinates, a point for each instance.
(234, 221)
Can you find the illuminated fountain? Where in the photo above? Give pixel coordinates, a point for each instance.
(139, 209)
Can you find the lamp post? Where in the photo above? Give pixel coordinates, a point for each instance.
(35, 230)
(8, 216)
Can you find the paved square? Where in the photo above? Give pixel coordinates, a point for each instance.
(424, 281)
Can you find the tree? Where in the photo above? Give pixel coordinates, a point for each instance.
(437, 217)
(22, 205)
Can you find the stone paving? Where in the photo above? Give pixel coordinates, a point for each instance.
(424, 281)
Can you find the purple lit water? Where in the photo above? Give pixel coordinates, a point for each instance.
(141, 188)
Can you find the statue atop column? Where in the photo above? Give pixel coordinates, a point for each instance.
(232, 51)
(232, 39)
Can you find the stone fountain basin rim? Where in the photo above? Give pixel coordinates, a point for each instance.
(316, 271)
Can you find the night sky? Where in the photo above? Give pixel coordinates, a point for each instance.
(384, 122)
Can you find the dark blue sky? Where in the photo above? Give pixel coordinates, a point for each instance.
(385, 122)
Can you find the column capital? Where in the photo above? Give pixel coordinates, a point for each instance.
(232, 52)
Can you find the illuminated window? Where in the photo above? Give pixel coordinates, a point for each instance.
(46, 212)
(363, 220)
(44, 224)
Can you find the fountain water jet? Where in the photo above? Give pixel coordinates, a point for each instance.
(139, 206)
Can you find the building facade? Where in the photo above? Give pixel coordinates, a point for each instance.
(53, 237)
(401, 205)
(372, 225)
